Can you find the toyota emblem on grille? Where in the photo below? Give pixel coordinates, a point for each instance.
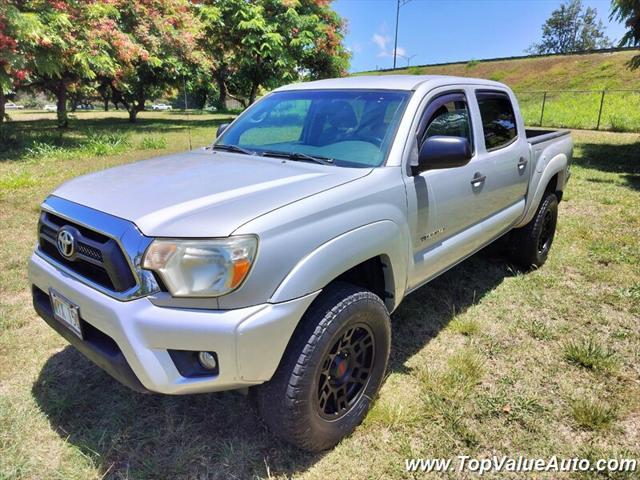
(66, 243)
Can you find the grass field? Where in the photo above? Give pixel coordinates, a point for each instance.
(485, 360)
(590, 73)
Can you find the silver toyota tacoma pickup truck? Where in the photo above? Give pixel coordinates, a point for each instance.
(273, 259)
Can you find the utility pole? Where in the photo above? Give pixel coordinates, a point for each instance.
(399, 3)
(184, 86)
(395, 43)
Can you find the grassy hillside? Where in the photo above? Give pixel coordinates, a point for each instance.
(529, 77)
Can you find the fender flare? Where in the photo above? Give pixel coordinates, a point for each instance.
(557, 165)
(331, 259)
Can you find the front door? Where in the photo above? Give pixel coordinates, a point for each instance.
(442, 203)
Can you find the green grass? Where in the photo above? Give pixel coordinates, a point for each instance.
(530, 77)
(464, 326)
(589, 354)
(620, 112)
(484, 361)
(592, 413)
(17, 181)
(538, 329)
(153, 143)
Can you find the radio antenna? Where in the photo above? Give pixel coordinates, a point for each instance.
(186, 107)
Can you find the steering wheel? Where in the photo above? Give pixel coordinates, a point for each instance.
(258, 117)
(377, 141)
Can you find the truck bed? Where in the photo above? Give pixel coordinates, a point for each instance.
(535, 136)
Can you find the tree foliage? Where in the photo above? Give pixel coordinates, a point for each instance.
(155, 43)
(265, 43)
(129, 51)
(54, 47)
(628, 11)
(571, 28)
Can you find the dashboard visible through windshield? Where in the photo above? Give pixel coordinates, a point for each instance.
(352, 128)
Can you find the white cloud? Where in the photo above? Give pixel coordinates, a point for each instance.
(381, 41)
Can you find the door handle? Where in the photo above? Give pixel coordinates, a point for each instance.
(522, 163)
(478, 179)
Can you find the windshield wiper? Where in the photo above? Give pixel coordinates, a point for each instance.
(299, 157)
(232, 148)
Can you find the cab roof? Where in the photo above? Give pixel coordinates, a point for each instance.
(387, 82)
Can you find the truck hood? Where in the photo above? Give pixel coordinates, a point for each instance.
(201, 193)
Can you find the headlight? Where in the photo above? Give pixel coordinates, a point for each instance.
(201, 268)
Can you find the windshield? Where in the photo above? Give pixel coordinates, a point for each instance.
(352, 128)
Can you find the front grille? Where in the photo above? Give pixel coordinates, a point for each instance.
(97, 257)
(89, 251)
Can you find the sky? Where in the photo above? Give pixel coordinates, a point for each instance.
(438, 31)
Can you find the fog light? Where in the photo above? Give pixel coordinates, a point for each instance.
(208, 360)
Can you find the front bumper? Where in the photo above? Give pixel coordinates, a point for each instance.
(131, 340)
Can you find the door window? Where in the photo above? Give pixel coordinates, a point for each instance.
(498, 119)
(447, 115)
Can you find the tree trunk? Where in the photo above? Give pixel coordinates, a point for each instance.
(198, 98)
(254, 93)
(136, 107)
(104, 92)
(222, 91)
(61, 104)
(255, 83)
(2, 110)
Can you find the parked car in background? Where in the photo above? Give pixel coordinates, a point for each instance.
(50, 108)
(273, 258)
(85, 106)
(161, 106)
(13, 106)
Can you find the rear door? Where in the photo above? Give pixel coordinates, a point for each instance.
(504, 151)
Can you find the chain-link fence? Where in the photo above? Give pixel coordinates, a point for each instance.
(615, 110)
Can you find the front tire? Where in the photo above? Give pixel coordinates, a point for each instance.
(530, 244)
(331, 371)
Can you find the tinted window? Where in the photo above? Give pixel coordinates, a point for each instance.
(447, 115)
(498, 119)
(451, 120)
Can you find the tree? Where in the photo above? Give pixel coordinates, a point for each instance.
(628, 11)
(52, 47)
(571, 28)
(155, 44)
(13, 36)
(265, 43)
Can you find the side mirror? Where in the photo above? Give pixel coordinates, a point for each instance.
(221, 129)
(443, 152)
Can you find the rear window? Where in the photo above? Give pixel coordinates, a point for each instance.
(498, 119)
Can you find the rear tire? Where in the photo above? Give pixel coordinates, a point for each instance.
(331, 370)
(530, 244)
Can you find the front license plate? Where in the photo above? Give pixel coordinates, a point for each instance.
(66, 312)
